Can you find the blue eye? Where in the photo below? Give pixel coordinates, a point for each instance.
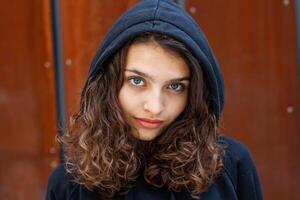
(177, 87)
(136, 81)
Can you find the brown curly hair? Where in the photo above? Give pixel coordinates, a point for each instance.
(102, 154)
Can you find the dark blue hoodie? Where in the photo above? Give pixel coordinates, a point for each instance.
(239, 179)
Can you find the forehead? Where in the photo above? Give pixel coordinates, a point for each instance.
(153, 60)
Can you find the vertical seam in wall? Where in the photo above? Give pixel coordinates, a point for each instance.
(59, 75)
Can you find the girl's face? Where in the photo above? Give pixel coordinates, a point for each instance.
(155, 88)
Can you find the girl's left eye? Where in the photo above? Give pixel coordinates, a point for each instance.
(177, 87)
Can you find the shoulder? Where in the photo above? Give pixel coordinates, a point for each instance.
(240, 168)
(58, 175)
(236, 154)
(235, 150)
(60, 184)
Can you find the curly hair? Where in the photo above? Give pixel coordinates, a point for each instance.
(102, 154)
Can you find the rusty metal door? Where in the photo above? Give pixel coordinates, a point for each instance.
(254, 41)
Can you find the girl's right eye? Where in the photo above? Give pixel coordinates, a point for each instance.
(136, 81)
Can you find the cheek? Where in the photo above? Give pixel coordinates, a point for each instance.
(127, 100)
(176, 106)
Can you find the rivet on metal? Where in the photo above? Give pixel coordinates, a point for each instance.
(286, 2)
(289, 109)
(68, 62)
(53, 164)
(52, 150)
(47, 64)
(193, 9)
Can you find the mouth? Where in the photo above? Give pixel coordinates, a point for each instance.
(149, 123)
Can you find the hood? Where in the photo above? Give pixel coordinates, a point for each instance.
(166, 17)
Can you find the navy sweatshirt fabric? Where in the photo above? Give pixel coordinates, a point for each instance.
(239, 178)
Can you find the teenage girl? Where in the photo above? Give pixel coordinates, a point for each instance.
(147, 127)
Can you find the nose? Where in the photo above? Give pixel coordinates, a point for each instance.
(154, 103)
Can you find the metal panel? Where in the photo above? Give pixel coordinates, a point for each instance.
(27, 100)
(255, 42)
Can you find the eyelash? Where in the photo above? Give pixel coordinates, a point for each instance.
(133, 78)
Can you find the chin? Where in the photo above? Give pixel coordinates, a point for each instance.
(145, 136)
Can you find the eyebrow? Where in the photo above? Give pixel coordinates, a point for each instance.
(151, 78)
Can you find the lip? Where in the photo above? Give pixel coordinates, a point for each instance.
(149, 123)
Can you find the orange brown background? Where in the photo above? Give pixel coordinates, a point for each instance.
(254, 41)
